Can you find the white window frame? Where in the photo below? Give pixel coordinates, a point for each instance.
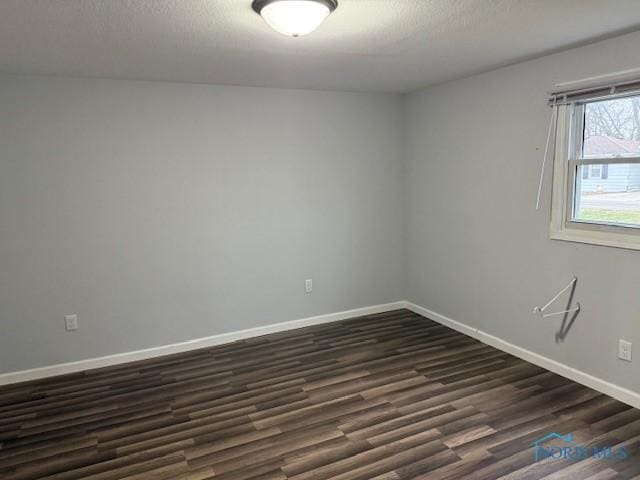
(567, 159)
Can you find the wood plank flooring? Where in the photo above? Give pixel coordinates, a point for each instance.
(385, 397)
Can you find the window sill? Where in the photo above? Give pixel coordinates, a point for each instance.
(628, 240)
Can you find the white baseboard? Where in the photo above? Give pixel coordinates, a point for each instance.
(619, 393)
(99, 362)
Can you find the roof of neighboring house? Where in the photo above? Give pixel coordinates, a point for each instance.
(601, 145)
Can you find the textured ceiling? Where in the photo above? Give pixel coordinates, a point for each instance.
(369, 45)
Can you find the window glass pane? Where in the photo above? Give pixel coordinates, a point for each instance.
(612, 128)
(613, 198)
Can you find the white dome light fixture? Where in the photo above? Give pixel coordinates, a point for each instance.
(294, 17)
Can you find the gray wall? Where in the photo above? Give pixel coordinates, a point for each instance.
(161, 213)
(477, 251)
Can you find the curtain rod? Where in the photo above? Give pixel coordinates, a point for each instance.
(623, 76)
(594, 88)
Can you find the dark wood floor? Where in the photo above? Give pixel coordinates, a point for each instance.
(390, 396)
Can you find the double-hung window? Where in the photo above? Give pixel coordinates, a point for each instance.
(596, 176)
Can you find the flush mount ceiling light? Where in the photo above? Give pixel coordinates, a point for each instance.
(294, 17)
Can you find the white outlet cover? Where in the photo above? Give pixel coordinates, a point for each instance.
(308, 285)
(70, 322)
(625, 350)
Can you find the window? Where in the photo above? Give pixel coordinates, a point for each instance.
(596, 189)
(594, 172)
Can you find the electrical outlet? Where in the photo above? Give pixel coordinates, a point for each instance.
(308, 285)
(70, 322)
(624, 350)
